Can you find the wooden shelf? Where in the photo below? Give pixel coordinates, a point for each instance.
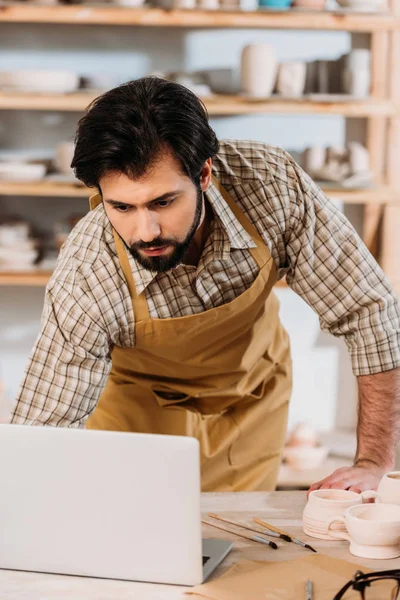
(216, 105)
(156, 17)
(378, 195)
(28, 278)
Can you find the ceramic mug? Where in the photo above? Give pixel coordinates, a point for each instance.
(389, 488)
(323, 505)
(291, 79)
(373, 530)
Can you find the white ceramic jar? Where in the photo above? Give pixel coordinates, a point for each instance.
(258, 70)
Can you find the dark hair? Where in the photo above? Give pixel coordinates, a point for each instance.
(126, 128)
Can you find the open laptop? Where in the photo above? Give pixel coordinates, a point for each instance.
(103, 504)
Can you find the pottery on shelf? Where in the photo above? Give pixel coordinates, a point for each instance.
(310, 4)
(64, 156)
(291, 79)
(302, 457)
(373, 530)
(277, 4)
(258, 70)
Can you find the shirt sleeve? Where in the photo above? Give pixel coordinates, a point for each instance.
(329, 266)
(68, 366)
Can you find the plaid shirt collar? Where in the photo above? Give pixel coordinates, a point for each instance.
(226, 234)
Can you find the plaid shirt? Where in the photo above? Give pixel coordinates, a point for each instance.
(88, 309)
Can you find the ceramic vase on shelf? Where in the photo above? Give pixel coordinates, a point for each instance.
(258, 70)
(356, 76)
(291, 79)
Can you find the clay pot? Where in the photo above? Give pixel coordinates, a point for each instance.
(373, 530)
(258, 70)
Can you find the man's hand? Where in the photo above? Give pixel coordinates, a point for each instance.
(356, 479)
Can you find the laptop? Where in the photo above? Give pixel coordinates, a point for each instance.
(103, 504)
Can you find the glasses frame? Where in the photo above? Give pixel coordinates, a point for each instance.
(362, 580)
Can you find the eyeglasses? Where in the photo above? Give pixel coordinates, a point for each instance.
(382, 585)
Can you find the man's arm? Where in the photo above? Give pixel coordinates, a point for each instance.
(329, 266)
(68, 365)
(378, 433)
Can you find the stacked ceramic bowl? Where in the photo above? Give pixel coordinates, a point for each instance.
(323, 505)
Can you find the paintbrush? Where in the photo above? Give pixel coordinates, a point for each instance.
(237, 524)
(253, 538)
(291, 538)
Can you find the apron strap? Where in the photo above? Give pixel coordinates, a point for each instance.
(139, 302)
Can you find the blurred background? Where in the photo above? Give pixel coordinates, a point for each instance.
(318, 78)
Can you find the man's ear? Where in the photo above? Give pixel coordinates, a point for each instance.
(205, 176)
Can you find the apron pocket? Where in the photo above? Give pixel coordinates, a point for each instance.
(166, 396)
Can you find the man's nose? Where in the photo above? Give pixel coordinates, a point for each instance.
(147, 226)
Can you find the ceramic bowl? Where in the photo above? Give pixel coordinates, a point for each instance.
(61, 82)
(224, 81)
(21, 171)
(373, 530)
(305, 457)
(279, 4)
(310, 4)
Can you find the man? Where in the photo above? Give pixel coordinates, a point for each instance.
(162, 294)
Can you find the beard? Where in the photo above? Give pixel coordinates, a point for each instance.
(161, 264)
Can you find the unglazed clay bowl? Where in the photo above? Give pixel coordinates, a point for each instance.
(373, 530)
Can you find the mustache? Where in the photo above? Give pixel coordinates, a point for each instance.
(156, 243)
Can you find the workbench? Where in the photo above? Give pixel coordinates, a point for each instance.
(283, 509)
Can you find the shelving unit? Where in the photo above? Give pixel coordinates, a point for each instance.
(156, 17)
(382, 109)
(379, 195)
(218, 105)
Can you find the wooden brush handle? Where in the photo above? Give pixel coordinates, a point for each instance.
(271, 527)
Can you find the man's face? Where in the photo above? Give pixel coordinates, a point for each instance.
(157, 215)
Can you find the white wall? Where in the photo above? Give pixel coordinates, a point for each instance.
(324, 391)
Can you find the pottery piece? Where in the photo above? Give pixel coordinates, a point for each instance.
(277, 4)
(303, 434)
(64, 156)
(258, 70)
(291, 79)
(224, 81)
(20, 172)
(356, 76)
(373, 530)
(323, 505)
(248, 5)
(208, 4)
(358, 158)
(389, 488)
(302, 458)
(310, 4)
(56, 82)
(362, 5)
(314, 160)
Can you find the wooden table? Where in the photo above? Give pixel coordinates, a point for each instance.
(284, 509)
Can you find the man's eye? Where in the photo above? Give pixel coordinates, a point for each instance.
(164, 203)
(122, 208)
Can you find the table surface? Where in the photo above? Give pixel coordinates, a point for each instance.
(283, 509)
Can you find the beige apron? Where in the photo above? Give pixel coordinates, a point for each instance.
(222, 376)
